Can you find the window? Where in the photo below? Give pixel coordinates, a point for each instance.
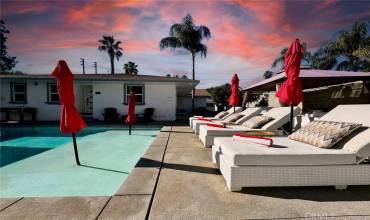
(53, 96)
(18, 92)
(139, 93)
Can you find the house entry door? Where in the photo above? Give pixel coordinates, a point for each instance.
(88, 99)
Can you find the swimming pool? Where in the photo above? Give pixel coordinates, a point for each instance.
(39, 161)
(20, 143)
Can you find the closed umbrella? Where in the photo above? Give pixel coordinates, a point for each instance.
(70, 119)
(131, 119)
(290, 92)
(234, 97)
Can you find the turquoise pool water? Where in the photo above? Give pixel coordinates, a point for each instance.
(20, 143)
(39, 161)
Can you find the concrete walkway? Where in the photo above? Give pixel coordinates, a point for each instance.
(175, 179)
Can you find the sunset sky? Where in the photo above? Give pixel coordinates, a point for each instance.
(246, 35)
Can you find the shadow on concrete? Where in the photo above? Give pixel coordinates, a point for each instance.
(182, 132)
(105, 169)
(148, 163)
(278, 146)
(318, 194)
(191, 168)
(144, 162)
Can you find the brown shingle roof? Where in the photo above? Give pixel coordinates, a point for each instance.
(202, 93)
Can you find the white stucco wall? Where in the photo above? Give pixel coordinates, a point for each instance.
(36, 98)
(160, 96)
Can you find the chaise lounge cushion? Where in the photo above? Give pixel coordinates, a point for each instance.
(228, 131)
(284, 152)
(221, 115)
(324, 134)
(233, 118)
(257, 121)
(359, 144)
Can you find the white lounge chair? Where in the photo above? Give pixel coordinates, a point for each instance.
(280, 115)
(245, 115)
(229, 112)
(293, 163)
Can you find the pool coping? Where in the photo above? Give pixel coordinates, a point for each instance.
(140, 186)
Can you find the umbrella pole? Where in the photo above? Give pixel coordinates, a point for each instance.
(234, 108)
(291, 118)
(75, 148)
(129, 129)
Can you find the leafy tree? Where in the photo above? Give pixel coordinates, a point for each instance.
(281, 59)
(130, 68)
(112, 47)
(7, 62)
(17, 72)
(188, 36)
(267, 74)
(353, 46)
(184, 77)
(220, 94)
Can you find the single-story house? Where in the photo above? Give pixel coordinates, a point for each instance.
(202, 99)
(94, 92)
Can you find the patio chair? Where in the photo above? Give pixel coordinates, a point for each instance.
(293, 163)
(110, 114)
(146, 116)
(219, 116)
(232, 119)
(280, 116)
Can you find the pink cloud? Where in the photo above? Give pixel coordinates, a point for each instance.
(23, 7)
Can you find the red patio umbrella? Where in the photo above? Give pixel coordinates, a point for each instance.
(234, 97)
(70, 119)
(290, 92)
(131, 119)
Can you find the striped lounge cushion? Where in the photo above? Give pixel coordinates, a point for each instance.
(324, 134)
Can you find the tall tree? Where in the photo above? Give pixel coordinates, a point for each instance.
(130, 68)
(267, 74)
(189, 36)
(281, 59)
(7, 62)
(220, 94)
(349, 51)
(112, 47)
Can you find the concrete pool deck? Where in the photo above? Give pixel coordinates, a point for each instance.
(175, 179)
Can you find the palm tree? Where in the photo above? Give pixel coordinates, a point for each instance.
(130, 68)
(188, 36)
(281, 58)
(353, 46)
(325, 57)
(267, 74)
(111, 46)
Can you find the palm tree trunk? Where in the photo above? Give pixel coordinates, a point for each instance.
(112, 65)
(193, 91)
